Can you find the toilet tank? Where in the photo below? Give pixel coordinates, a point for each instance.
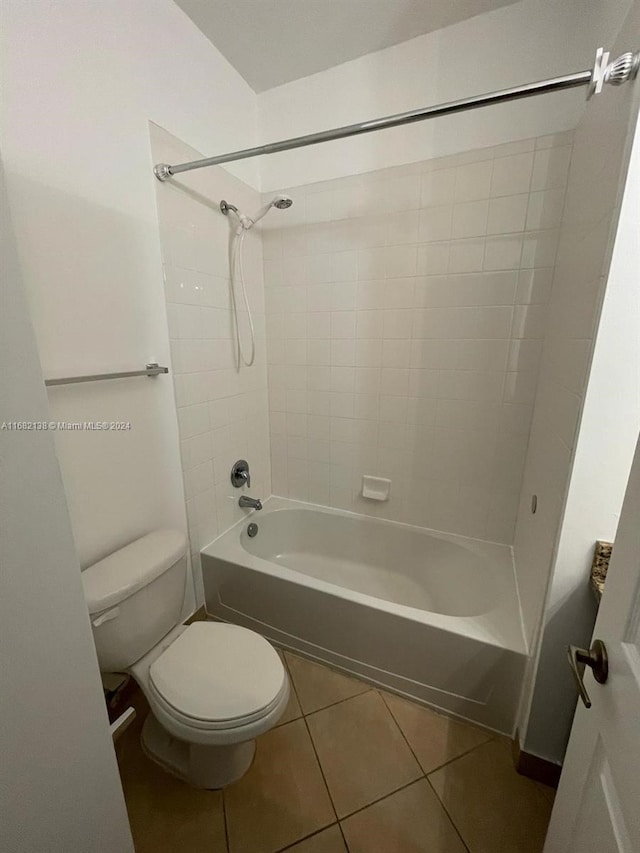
(135, 597)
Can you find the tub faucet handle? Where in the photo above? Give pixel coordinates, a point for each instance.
(240, 475)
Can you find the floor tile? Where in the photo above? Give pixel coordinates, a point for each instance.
(318, 686)
(409, 821)
(282, 798)
(434, 738)
(328, 841)
(293, 711)
(166, 814)
(362, 752)
(547, 791)
(494, 808)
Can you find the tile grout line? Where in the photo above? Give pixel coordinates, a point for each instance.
(337, 702)
(456, 757)
(224, 816)
(426, 776)
(383, 797)
(313, 746)
(304, 717)
(490, 738)
(404, 737)
(306, 837)
(451, 820)
(315, 752)
(344, 837)
(367, 687)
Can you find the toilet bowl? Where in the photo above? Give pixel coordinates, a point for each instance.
(212, 687)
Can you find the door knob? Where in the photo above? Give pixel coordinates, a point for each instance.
(596, 658)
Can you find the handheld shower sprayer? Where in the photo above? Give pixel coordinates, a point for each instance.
(245, 223)
(282, 202)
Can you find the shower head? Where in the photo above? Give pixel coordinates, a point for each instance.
(282, 202)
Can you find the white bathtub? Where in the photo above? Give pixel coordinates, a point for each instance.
(427, 614)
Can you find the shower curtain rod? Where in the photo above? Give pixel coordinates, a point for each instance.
(624, 68)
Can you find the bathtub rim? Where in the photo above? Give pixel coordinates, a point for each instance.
(227, 547)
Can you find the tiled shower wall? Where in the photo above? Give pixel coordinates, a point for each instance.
(222, 412)
(406, 310)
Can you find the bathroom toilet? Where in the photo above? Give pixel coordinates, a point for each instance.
(212, 687)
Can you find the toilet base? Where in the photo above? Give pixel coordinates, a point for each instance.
(200, 766)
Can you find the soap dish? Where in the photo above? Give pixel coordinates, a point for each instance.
(375, 488)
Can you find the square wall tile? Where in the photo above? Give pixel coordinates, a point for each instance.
(466, 255)
(437, 187)
(385, 326)
(507, 214)
(512, 175)
(551, 168)
(470, 219)
(435, 223)
(473, 181)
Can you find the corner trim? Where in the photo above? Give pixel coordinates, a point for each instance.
(200, 615)
(534, 767)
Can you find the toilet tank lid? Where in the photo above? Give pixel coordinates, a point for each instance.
(116, 577)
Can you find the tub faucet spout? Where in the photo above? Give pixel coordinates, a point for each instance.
(250, 503)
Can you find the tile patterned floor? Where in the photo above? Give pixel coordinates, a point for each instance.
(349, 769)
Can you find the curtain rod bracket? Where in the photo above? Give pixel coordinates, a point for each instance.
(162, 171)
(618, 71)
(598, 75)
(624, 68)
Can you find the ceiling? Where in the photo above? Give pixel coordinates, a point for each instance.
(270, 42)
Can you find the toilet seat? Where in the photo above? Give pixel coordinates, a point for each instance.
(216, 676)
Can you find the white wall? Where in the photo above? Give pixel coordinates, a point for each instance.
(81, 81)
(518, 44)
(406, 310)
(59, 785)
(584, 432)
(222, 410)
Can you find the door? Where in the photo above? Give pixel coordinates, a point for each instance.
(597, 809)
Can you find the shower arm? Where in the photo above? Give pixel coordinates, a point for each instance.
(624, 68)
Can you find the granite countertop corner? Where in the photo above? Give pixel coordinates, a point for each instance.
(601, 557)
